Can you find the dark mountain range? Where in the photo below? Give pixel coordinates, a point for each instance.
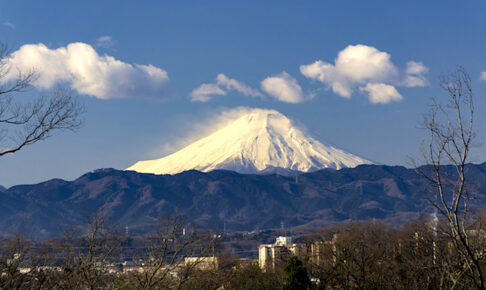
(2, 188)
(211, 200)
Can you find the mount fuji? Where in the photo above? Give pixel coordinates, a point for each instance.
(259, 141)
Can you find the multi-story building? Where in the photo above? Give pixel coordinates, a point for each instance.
(316, 252)
(323, 251)
(271, 254)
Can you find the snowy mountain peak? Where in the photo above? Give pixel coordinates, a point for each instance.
(259, 141)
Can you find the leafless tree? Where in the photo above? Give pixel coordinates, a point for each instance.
(450, 128)
(23, 123)
(13, 251)
(87, 252)
(165, 249)
(363, 255)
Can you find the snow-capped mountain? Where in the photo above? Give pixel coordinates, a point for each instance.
(259, 141)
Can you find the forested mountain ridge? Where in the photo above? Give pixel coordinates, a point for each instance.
(221, 198)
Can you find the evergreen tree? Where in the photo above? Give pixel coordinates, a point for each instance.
(296, 275)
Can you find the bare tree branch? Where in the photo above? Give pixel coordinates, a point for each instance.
(450, 128)
(24, 123)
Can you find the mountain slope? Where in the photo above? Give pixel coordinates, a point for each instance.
(259, 141)
(222, 199)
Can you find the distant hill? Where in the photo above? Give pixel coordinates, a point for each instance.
(2, 188)
(221, 198)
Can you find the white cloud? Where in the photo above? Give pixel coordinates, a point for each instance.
(229, 84)
(284, 88)
(381, 93)
(204, 92)
(223, 84)
(483, 76)
(360, 62)
(79, 65)
(416, 68)
(9, 24)
(104, 41)
(356, 64)
(360, 65)
(415, 75)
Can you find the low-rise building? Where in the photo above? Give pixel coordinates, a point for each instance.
(202, 263)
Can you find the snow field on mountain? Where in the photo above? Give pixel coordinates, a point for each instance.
(256, 141)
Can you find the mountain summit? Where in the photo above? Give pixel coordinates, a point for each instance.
(257, 142)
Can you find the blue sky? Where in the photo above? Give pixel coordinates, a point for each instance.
(168, 49)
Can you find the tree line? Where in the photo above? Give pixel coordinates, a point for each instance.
(355, 255)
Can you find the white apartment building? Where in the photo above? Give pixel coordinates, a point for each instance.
(271, 254)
